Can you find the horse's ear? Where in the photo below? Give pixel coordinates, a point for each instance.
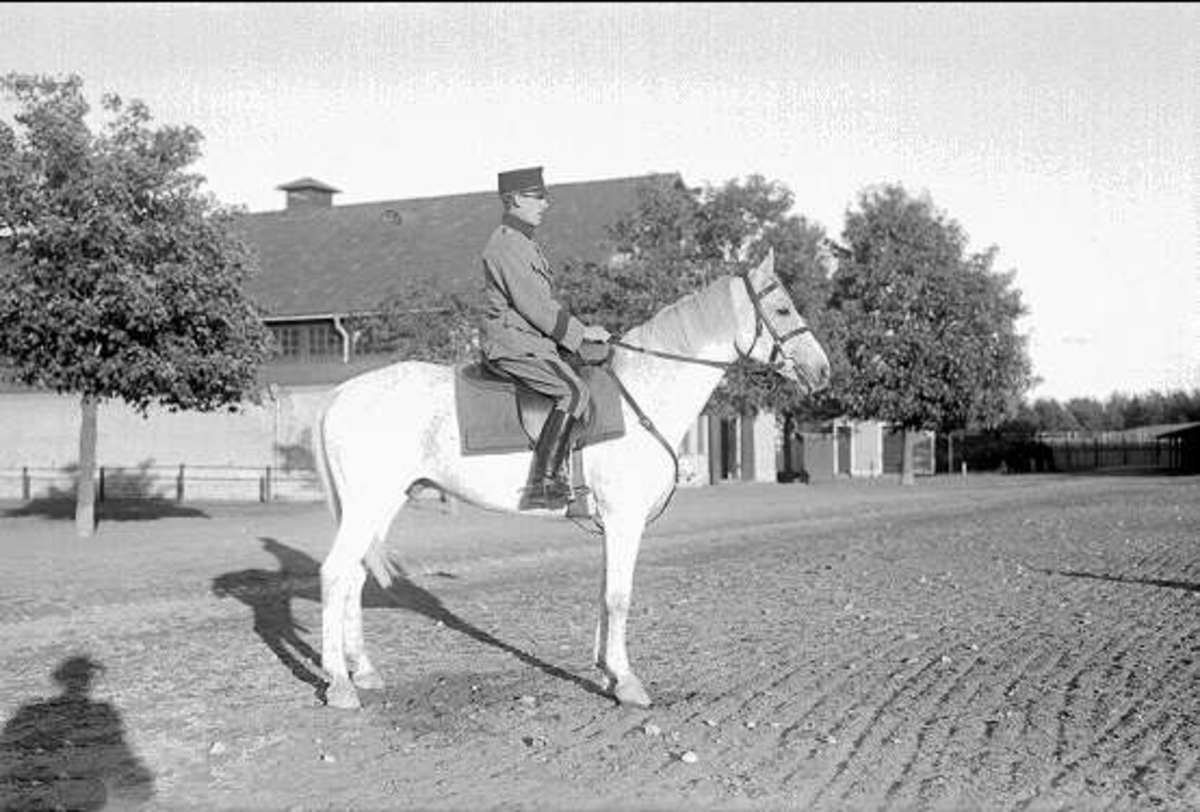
(768, 264)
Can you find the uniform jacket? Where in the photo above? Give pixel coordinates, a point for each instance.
(520, 315)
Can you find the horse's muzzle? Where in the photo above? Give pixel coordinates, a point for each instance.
(811, 382)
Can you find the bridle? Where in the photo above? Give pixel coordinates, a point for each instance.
(761, 320)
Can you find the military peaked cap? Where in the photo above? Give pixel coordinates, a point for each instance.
(521, 180)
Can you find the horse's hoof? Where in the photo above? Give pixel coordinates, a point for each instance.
(631, 692)
(368, 681)
(342, 695)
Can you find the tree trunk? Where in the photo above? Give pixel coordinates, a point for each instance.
(907, 475)
(85, 488)
(788, 466)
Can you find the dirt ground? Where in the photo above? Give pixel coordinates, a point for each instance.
(1014, 643)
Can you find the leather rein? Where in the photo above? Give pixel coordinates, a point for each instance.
(761, 319)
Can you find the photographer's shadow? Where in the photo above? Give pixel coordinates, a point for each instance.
(269, 594)
(69, 752)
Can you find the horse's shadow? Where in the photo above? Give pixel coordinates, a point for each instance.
(269, 594)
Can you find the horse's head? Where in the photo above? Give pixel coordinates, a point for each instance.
(780, 336)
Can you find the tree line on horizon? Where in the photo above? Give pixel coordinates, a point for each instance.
(1117, 412)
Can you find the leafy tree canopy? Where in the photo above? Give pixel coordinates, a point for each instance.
(118, 279)
(926, 330)
(420, 321)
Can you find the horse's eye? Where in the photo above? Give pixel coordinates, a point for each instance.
(783, 311)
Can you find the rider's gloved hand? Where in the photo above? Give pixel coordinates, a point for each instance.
(596, 332)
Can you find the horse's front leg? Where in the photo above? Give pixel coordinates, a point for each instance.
(622, 538)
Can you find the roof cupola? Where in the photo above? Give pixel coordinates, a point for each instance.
(306, 194)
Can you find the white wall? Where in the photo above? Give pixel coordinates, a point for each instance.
(226, 455)
(693, 455)
(766, 445)
(866, 448)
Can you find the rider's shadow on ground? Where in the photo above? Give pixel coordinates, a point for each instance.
(269, 594)
(69, 752)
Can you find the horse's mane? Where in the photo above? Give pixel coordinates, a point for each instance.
(686, 326)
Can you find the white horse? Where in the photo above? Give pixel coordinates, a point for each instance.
(389, 428)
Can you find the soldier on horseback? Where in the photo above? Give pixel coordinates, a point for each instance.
(523, 327)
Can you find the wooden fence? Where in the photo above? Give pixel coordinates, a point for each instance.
(180, 483)
(1067, 453)
(1094, 454)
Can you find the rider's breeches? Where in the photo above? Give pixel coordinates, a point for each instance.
(551, 377)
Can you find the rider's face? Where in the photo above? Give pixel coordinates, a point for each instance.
(530, 207)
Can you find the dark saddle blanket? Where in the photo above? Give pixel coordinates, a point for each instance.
(497, 414)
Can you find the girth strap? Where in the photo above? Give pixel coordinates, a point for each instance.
(649, 426)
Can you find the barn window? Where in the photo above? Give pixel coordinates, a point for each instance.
(323, 340)
(287, 341)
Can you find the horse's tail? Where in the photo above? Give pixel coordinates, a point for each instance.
(379, 563)
(376, 558)
(321, 459)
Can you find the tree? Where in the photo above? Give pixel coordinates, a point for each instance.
(927, 330)
(1119, 411)
(1089, 414)
(1050, 415)
(678, 239)
(118, 279)
(656, 261)
(743, 220)
(421, 321)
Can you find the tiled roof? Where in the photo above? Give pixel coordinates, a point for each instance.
(345, 259)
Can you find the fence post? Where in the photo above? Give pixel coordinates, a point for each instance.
(179, 484)
(25, 485)
(100, 495)
(266, 488)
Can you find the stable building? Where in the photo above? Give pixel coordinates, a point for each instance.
(322, 263)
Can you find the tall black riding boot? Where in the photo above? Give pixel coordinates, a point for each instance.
(548, 487)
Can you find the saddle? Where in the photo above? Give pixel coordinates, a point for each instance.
(498, 414)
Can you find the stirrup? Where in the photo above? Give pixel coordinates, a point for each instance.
(551, 494)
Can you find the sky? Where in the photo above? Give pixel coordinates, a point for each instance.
(1065, 135)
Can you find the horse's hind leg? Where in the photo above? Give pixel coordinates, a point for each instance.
(342, 578)
(362, 673)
